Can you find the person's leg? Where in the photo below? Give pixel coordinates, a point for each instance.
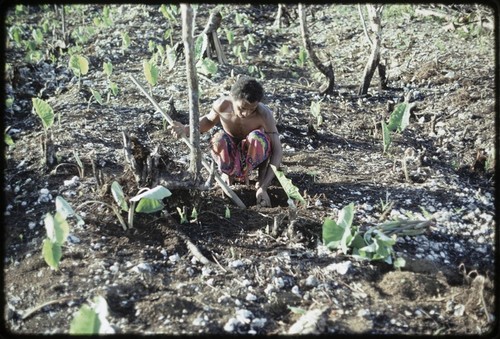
(256, 149)
(225, 153)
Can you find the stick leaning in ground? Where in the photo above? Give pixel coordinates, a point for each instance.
(229, 192)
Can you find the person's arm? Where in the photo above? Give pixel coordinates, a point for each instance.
(206, 123)
(275, 159)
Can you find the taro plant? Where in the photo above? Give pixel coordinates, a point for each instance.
(151, 74)
(125, 41)
(57, 228)
(206, 66)
(92, 319)
(291, 190)
(315, 110)
(398, 121)
(112, 87)
(46, 114)
(96, 95)
(376, 243)
(302, 57)
(147, 201)
(79, 65)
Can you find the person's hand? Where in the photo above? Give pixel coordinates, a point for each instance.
(263, 198)
(178, 130)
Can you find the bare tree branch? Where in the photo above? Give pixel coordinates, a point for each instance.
(326, 70)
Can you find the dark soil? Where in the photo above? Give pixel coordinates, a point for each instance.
(262, 274)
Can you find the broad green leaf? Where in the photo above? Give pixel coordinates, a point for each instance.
(159, 192)
(386, 135)
(290, 189)
(65, 210)
(399, 118)
(8, 139)
(79, 64)
(86, 321)
(399, 262)
(332, 233)
(357, 241)
(117, 192)
(57, 227)
(150, 72)
(346, 216)
(52, 253)
(44, 111)
(97, 95)
(114, 88)
(296, 310)
(147, 205)
(107, 68)
(125, 40)
(206, 66)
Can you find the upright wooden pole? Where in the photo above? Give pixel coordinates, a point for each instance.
(192, 78)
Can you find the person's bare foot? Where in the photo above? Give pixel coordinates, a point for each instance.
(227, 179)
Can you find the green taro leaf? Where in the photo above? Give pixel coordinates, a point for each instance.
(159, 192)
(66, 210)
(117, 192)
(291, 190)
(146, 205)
(114, 88)
(400, 118)
(44, 111)
(107, 68)
(399, 263)
(52, 253)
(57, 227)
(206, 66)
(86, 321)
(150, 72)
(79, 64)
(332, 234)
(386, 137)
(97, 95)
(8, 139)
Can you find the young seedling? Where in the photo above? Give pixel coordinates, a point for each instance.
(125, 41)
(316, 112)
(182, 214)
(95, 95)
(92, 319)
(80, 66)
(151, 74)
(57, 228)
(46, 114)
(206, 66)
(291, 190)
(302, 57)
(376, 243)
(149, 201)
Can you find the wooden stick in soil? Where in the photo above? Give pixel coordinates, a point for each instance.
(229, 192)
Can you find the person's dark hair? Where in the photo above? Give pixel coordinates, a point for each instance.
(248, 89)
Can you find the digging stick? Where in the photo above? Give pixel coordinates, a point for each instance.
(229, 192)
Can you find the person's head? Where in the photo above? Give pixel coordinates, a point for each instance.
(246, 94)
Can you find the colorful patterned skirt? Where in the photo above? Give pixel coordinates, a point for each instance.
(237, 158)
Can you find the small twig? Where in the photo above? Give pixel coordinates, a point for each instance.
(29, 312)
(218, 264)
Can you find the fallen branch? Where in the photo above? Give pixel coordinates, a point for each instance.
(229, 192)
(29, 312)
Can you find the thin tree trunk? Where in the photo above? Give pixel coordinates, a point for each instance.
(326, 70)
(374, 15)
(192, 78)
